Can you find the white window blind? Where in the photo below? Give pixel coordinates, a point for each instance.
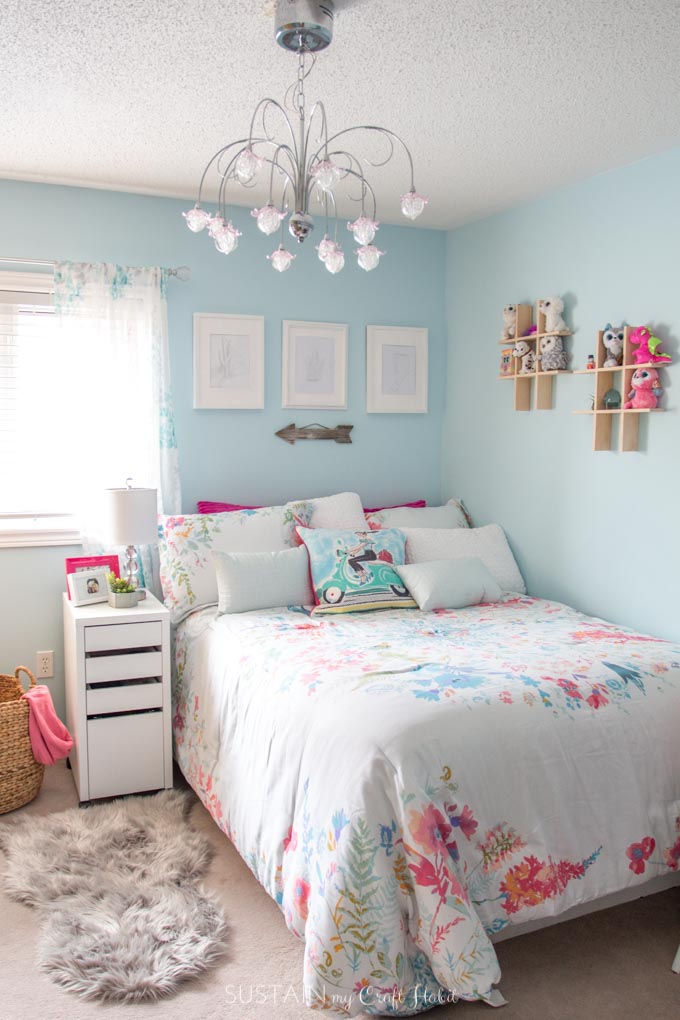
(36, 501)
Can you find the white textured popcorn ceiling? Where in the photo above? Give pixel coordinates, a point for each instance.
(499, 100)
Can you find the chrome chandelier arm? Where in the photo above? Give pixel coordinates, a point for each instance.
(364, 184)
(380, 130)
(274, 163)
(358, 173)
(218, 154)
(263, 105)
(227, 175)
(329, 195)
(323, 132)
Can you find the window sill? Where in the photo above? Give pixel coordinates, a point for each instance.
(18, 531)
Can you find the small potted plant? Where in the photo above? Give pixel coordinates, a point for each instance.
(122, 594)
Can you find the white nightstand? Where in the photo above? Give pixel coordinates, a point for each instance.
(117, 666)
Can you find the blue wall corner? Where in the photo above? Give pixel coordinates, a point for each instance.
(594, 529)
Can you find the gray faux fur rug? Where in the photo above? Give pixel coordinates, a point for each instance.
(117, 885)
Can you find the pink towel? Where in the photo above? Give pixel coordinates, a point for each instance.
(50, 739)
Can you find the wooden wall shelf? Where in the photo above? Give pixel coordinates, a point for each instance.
(533, 390)
(616, 377)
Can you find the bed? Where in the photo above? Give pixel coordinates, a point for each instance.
(409, 786)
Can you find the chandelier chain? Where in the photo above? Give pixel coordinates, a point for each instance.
(300, 90)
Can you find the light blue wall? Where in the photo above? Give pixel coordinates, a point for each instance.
(594, 529)
(31, 583)
(234, 455)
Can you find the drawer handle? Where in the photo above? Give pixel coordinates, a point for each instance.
(135, 682)
(134, 711)
(110, 652)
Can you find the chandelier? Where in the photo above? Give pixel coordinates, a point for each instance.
(305, 165)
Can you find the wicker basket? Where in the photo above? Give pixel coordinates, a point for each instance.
(21, 775)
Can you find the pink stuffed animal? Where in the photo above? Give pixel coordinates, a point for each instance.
(646, 389)
(647, 345)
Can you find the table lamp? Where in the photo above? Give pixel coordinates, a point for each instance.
(132, 521)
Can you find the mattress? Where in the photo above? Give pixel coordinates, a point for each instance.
(406, 785)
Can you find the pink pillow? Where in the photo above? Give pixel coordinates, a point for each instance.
(396, 506)
(204, 506)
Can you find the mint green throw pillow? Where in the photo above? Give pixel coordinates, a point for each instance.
(450, 584)
(262, 580)
(354, 571)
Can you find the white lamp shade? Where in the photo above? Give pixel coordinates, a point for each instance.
(132, 516)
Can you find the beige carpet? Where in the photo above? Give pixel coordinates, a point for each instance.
(614, 965)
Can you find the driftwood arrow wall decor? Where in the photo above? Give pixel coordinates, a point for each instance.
(340, 434)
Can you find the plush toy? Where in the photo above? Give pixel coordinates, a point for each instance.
(612, 338)
(646, 388)
(552, 355)
(647, 345)
(524, 352)
(509, 314)
(552, 308)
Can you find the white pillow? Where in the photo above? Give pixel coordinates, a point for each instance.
(187, 570)
(262, 580)
(449, 516)
(342, 511)
(450, 584)
(488, 543)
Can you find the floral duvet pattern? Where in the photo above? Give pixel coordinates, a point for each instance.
(408, 784)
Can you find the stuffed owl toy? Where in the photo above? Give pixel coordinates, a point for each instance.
(552, 355)
(527, 358)
(612, 338)
(508, 332)
(552, 308)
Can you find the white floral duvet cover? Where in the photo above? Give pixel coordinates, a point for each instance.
(407, 784)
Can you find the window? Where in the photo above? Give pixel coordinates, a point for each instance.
(36, 501)
(86, 398)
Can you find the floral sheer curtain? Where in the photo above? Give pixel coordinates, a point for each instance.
(112, 327)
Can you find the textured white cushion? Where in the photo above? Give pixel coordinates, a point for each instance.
(450, 584)
(262, 580)
(488, 543)
(449, 516)
(188, 576)
(341, 511)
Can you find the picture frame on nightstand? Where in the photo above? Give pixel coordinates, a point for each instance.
(75, 564)
(87, 587)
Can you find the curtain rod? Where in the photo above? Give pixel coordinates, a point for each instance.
(182, 273)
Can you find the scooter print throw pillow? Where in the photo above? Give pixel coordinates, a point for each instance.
(353, 571)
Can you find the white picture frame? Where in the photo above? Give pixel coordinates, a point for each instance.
(88, 586)
(228, 362)
(396, 370)
(314, 364)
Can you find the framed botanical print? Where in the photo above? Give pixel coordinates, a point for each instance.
(314, 364)
(396, 370)
(228, 361)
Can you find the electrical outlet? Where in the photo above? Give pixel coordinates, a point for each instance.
(44, 665)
